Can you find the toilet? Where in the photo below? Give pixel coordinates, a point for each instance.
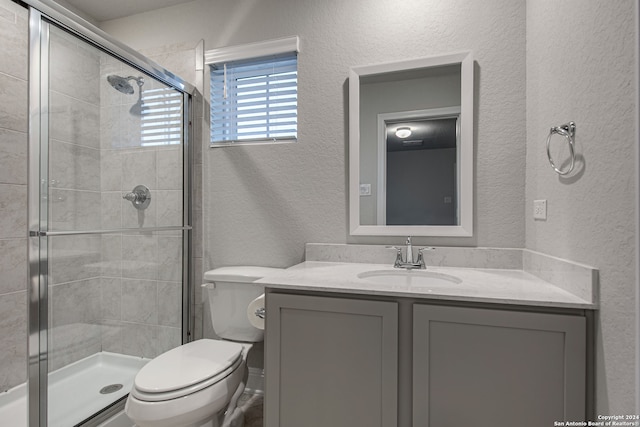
(198, 384)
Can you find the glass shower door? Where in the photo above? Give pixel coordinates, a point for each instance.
(113, 225)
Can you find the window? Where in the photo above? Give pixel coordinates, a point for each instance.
(254, 100)
(254, 92)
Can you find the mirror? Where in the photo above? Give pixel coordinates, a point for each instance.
(411, 147)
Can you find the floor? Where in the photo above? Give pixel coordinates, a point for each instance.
(253, 409)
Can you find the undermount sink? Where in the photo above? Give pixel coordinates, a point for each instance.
(409, 277)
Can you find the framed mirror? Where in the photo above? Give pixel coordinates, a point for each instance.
(411, 147)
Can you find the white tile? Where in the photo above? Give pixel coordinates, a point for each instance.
(73, 166)
(140, 256)
(139, 339)
(170, 166)
(13, 205)
(13, 265)
(170, 304)
(13, 157)
(14, 33)
(13, 332)
(140, 301)
(111, 298)
(13, 109)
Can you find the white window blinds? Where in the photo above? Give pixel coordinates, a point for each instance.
(161, 120)
(255, 100)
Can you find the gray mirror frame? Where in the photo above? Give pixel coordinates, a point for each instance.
(465, 228)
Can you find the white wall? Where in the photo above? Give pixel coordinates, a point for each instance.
(580, 67)
(263, 203)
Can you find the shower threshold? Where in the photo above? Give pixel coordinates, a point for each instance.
(74, 390)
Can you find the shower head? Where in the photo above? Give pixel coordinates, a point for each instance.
(122, 84)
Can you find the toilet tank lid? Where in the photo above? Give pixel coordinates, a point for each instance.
(239, 273)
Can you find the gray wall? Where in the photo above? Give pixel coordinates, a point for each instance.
(534, 66)
(13, 195)
(262, 204)
(588, 78)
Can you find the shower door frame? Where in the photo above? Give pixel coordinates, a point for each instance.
(43, 14)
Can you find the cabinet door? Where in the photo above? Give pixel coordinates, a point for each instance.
(494, 368)
(330, 362)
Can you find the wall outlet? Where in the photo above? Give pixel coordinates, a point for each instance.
(365, 189)
(539, 209)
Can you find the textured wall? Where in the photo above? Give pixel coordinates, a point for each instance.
(13, 194)
(262, 204)
(582, 69)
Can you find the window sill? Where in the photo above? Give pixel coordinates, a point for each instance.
(253, 142)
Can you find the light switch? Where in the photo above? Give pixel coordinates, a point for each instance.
(540, 209)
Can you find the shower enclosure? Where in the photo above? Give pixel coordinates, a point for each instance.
(109, 221)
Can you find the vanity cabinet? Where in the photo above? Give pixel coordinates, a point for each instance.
(330, 362)
(349, 361)
(489, 368)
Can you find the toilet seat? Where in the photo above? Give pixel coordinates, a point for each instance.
(187, 369)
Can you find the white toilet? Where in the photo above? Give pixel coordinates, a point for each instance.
(195, 384)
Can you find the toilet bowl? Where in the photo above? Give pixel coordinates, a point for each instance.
(188, 385)
(195, 384)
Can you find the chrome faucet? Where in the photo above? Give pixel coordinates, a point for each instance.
(408, 263)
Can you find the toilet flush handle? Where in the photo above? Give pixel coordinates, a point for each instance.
(261, 313)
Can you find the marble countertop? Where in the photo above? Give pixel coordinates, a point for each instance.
(498, 286)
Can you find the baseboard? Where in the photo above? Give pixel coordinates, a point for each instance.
(255, 382)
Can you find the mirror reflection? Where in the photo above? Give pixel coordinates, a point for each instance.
(411, 147)
(421, 172)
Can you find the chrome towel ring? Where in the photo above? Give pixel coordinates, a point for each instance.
(567, 130)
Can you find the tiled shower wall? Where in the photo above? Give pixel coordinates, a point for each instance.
(181, 59)
(116, 292)
(74, 200)
(141, 273)
(119, 293)
(13, 194)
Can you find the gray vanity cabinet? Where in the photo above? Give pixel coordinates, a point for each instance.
(345, 362)
(330, 362)
(492, 368)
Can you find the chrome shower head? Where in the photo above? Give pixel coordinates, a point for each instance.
(122, 84)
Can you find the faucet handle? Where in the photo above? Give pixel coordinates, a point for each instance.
(420, 259)
(426, 248)
(398, 260)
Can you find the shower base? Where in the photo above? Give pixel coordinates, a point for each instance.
(74, 391)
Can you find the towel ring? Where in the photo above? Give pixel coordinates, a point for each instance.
(567, 130)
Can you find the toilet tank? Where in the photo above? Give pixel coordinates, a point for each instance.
(229, 291)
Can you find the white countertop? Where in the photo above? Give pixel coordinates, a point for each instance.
(496, 286)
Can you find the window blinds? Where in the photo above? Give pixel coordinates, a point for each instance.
(161, 119)
(255, 99)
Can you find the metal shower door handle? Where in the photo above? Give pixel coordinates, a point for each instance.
(140, 197)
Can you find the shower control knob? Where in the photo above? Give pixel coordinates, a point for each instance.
(140, 197)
